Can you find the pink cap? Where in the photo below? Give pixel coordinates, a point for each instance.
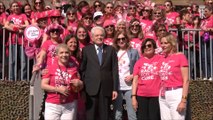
(55, 26)
(108, 22)
(55, 13)
(41, 15)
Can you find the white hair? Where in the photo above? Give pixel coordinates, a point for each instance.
(97, 28)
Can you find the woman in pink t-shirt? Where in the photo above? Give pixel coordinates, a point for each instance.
(3, 15)
(172, 18)
(86, 21)
(38, 6)
(146, 22)
(109, 28)
(61, 82)
(16, 23)
(47, 52)
(135, 34)
(71, 21)
(146, 83)
(160, 31)
(174, 75)
(73, 45)
(83, 37)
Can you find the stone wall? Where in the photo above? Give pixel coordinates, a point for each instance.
(14, 100)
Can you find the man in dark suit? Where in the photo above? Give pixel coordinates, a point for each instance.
(99, 72)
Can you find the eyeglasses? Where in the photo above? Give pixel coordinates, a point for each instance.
(157, 13)
(58, 7)
(109, 26)
(146, 10)
(54, 31)
(36, 3)
(97, 6)
(148, 46)
(123, 38)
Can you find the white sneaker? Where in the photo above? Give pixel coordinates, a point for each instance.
(210, 79)
(205, 79)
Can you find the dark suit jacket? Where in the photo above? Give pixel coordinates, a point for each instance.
(96, 76)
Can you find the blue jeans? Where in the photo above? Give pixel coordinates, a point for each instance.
(21, 65)
(118, 105)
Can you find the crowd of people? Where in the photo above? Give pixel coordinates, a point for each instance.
(92, 56)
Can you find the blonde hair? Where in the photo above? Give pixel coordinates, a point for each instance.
(172, 40)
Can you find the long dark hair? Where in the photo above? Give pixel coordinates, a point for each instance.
(76, 53)
(87, 39)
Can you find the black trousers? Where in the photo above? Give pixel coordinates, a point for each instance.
(97, 107)
(148, 108)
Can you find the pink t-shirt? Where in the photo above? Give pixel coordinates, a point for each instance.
(49, 47)
(74, 25)
(188, 35)
(170, 70)
(82, 45)
(171, 18)
(147, 27)
(108, 41)
(17, 20)
(208, 23)
(3, 16)
(61, 76)
(148, 78)
(136, 44)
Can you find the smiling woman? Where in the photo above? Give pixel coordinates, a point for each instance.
(175, 83)
(127, 57)
(61, 82)
(146, 83)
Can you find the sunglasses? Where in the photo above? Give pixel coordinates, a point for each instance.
(58, 8)
(123, 38)
(97, 6)
(36, 3)
(109, 26)
(157, 13)
(148, 46)
(97, 18)
(134, 25)
(132, 8)
(70, 13)
(109, 7)
(54, 31)
(146, 10)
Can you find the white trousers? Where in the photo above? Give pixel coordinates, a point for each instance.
(61, 112)
(169, 104)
